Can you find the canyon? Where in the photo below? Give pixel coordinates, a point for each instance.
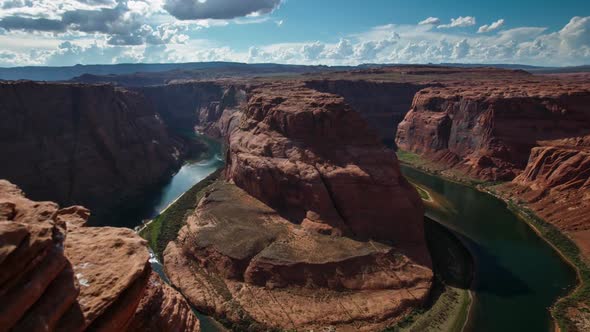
(289, 226)
(310, 224)
(533, 135)
(94, 145)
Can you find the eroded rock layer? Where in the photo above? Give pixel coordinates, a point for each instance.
(288, 240)
(312, 158)
(59, 275)
(488, 131)
(86, 144)
(534, 133)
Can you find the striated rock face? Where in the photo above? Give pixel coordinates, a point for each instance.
(382, 104)
(535, 132)
(313, 159)
(58, 274)
(208, 106)
(287, 240)
(488, 131)
(556, 185)
(90, 144)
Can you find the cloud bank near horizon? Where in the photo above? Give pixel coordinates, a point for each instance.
(46, 32)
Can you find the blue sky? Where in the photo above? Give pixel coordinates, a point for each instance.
(50, 32)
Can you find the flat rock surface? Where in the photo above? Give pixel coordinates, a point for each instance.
(297, 267)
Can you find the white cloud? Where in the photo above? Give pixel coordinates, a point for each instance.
(142, 31)
(491, 27)
(459, 22)
(313, 51)
(431, 20)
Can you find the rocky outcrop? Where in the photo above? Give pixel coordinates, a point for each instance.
(382, 104)
(59, 275)
(488, 131)
(314, 225)
(556, 185)
(312, 158)
(207, 106)
(534, 133)
(94, 145)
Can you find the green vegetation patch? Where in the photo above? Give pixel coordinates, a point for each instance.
(450, 174)
(164, 228)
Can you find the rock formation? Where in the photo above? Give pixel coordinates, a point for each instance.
(535, 132)
(488, 131)
(288, 240)
(382, 104)
(59, 275)
(208, 106)
(94, 145)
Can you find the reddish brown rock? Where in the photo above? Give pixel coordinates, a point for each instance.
(82, 144)
(489, 131)
(534, 131)
(238, 259)
(98, 282)
(312, 158)
(287, 240)
(556, 185)
(163, 309)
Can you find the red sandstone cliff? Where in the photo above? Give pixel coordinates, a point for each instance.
(56, 274)
(535, 133)
(312, 158)
(90, 144)
(488, 130)
(283, 241)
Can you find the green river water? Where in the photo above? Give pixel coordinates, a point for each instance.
(518, 276)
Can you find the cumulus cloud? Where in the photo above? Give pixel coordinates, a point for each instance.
(38, 32)
(459, 22)
(123, 25)
(576, 34)
(218, 9)
(431, 20)
(313, 51)
(491, 27)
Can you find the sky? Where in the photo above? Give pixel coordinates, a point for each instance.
(329, 32)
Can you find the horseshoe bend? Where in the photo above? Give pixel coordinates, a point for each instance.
(409, 176)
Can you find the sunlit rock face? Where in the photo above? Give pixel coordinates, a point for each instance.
(312, 226)
(59, 275)
(534, 134)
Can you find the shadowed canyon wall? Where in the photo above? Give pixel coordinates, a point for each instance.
(95, 145)
(382, 104)
(208, 106)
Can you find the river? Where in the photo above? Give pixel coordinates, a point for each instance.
(517, 274)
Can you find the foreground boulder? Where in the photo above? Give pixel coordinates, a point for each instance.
(313, 225)
(57, 274)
